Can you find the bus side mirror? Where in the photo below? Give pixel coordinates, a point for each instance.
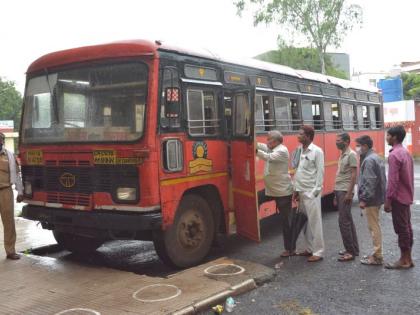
(172, 104)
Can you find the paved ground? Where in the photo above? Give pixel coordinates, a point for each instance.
(52, 282)
(120, 278)
(331, 287)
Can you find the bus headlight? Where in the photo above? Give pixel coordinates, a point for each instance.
(28, 189)
(126, 194)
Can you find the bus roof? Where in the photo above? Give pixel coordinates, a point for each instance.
(132, 48)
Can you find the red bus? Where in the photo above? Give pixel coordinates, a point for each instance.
(142, 140)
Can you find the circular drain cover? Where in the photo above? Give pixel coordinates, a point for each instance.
(79, 311)
(157, 293)
(224, 270)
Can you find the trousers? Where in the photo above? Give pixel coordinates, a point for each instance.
(313, 234)
(284, 206)
(8, 219)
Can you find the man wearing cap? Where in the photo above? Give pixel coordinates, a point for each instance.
(9, 176)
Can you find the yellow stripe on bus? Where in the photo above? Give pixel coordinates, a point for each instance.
(244, 192)
(168, 182)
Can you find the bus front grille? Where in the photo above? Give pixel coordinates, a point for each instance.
(73, 199)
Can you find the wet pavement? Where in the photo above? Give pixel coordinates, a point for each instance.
(121, 277)
(329, 286)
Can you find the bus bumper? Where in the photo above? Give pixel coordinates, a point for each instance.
(95, 223)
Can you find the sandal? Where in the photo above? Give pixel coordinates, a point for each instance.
(346, 257)
(304, 253)
(398, 266)
(371, 260)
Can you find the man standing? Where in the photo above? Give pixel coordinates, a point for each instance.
(9, 175)
(344, 191)
(371, 193)
(278, 185)
(399, 195)
(309, 179)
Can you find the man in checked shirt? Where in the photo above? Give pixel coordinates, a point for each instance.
(399, 195)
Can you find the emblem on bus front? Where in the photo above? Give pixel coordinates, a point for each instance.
(200, 162)
(67, 180)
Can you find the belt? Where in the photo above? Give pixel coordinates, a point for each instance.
(1, 188)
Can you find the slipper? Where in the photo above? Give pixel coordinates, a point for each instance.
(346, 257)
(315, 258)
(397, 266)
(304, 253)
(371, 260)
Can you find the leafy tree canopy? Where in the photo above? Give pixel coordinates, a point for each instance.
(10, 102)
(411, 85)
(323, 23)
(301, 58)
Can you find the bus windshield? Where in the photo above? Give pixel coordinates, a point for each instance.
(89, 104)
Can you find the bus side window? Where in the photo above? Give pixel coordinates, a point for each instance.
(170, 99)
(294, 110)
(202, 112)
(348, 116)
(263, 113)
(375, 117)
(242, 115)
(283, 112)
(311, 114)
(331, 115)
(362, 117)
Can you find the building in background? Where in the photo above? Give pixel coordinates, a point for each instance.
(410, 67)
(6, 127)
(402, 113)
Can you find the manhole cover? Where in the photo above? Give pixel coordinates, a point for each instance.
(78, 311)
(224, 270)
(157, 293)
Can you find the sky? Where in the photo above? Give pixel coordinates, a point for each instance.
(30, 29)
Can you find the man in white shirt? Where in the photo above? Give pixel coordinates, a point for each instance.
(9, 176)
(308, 182)
(278, 184)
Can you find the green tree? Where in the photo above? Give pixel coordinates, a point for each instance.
(411, 85)
(323, 23)
(10, 102)
(301, 58)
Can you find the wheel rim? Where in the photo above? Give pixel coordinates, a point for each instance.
(191, 230)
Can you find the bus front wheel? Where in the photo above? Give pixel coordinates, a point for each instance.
(189, 238)
(77, 243)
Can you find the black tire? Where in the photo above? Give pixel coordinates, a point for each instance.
(189, 239)
(76, 243)
(327, 203)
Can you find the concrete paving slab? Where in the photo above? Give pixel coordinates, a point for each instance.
(48, 285)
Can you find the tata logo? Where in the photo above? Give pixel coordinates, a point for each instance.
(67, 180)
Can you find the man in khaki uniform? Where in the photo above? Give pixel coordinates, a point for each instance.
(9, 176)
(344, 187)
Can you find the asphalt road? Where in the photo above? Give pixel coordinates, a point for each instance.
(329, 286)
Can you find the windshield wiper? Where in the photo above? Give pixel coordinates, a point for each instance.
(53, 97)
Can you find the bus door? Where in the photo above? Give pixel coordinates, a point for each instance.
(242, 156)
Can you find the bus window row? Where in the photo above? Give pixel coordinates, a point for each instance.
(289, 113)
(203, 113)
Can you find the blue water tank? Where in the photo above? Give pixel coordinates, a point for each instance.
(392, 89)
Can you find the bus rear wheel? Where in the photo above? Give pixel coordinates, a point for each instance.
(189, 239)
(77, 243)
